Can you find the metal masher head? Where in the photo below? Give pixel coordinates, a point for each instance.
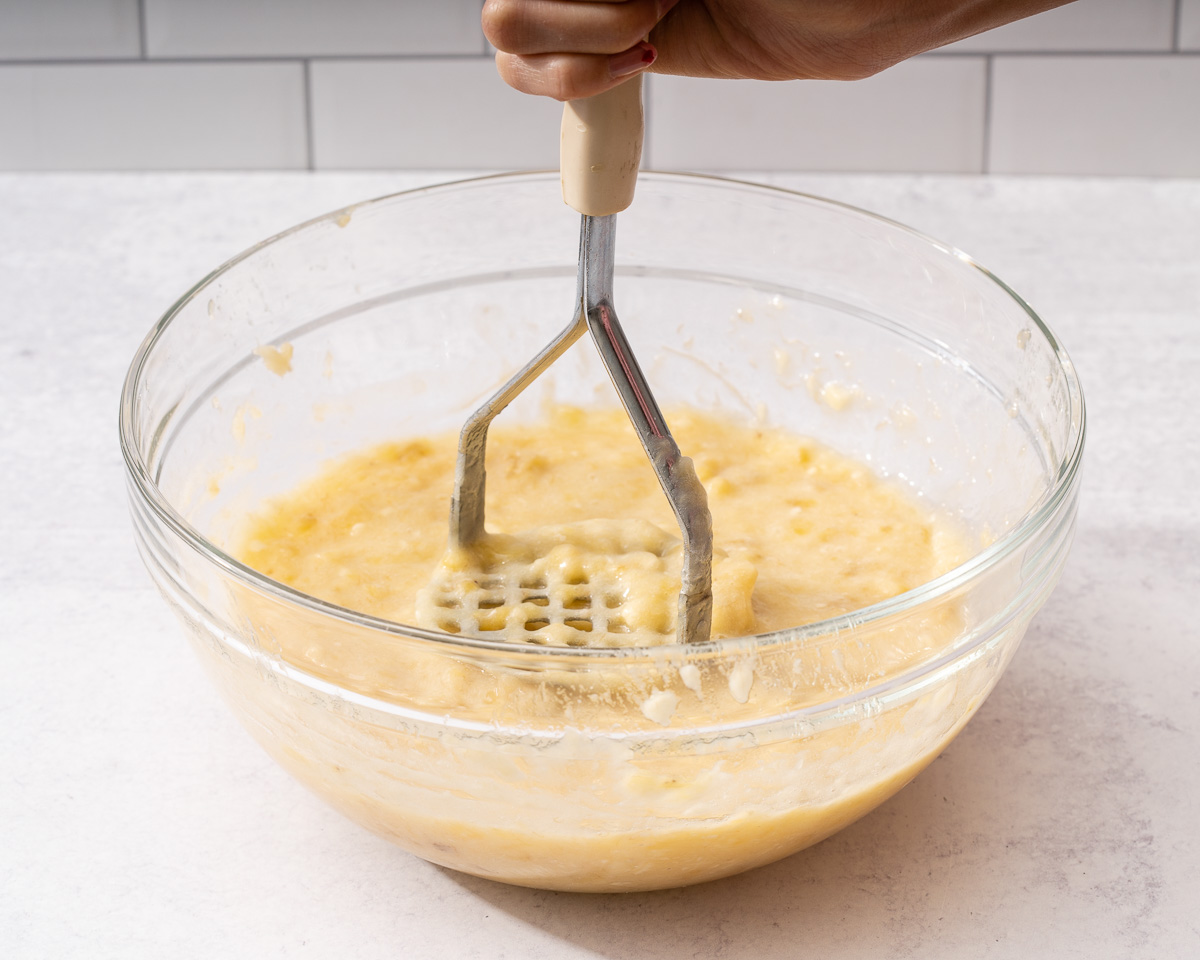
(497, 585)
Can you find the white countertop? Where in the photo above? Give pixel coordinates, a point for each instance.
(137, 819)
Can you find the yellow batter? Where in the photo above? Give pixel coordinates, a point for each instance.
(802, 534)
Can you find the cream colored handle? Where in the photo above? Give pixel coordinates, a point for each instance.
(601, 149)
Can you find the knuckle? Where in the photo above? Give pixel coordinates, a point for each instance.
(511, 73)
(502, 24)
(562, 82)
(547, 76)
(634, 22)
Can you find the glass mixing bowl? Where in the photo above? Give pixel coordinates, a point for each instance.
(403, 314)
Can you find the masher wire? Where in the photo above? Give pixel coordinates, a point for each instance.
(676, 475)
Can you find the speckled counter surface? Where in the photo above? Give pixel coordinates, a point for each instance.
(138, 820)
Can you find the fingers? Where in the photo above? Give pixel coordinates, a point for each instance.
(570, 49)
(573, 76)
(530, 27)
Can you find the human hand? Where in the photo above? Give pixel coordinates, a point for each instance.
(568, 49)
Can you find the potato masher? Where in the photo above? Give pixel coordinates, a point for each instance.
(600, 152)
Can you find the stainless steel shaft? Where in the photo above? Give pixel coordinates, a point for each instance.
(595, 313)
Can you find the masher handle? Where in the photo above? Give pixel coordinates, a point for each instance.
(601, 149)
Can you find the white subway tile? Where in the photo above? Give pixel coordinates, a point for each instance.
(262, 28)
(147, 116)
(1087, 25)
(1096, 115)
(1189, 25)
(66, 29)
(922, 115)
(452, 114)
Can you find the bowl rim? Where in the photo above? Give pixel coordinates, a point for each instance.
(1064, 482)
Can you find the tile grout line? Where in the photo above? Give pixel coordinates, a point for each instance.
(1175, 25)
(988, 81)
(953, 54)
(475, 57)
(252, 58)
(310, 152)
(141, 13)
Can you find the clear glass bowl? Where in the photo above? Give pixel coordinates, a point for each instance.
(404, 312)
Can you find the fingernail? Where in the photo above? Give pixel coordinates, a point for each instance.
(632, 60)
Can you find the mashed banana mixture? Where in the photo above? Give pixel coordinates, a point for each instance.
(801, 534)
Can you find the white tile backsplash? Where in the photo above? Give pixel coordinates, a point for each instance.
(452, 114)
(1189, 25)
(923, 115)
(67, 29)
(250, 28)
(1094, 86)
(1096, 115)
(152, 116)
(1084, 25)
